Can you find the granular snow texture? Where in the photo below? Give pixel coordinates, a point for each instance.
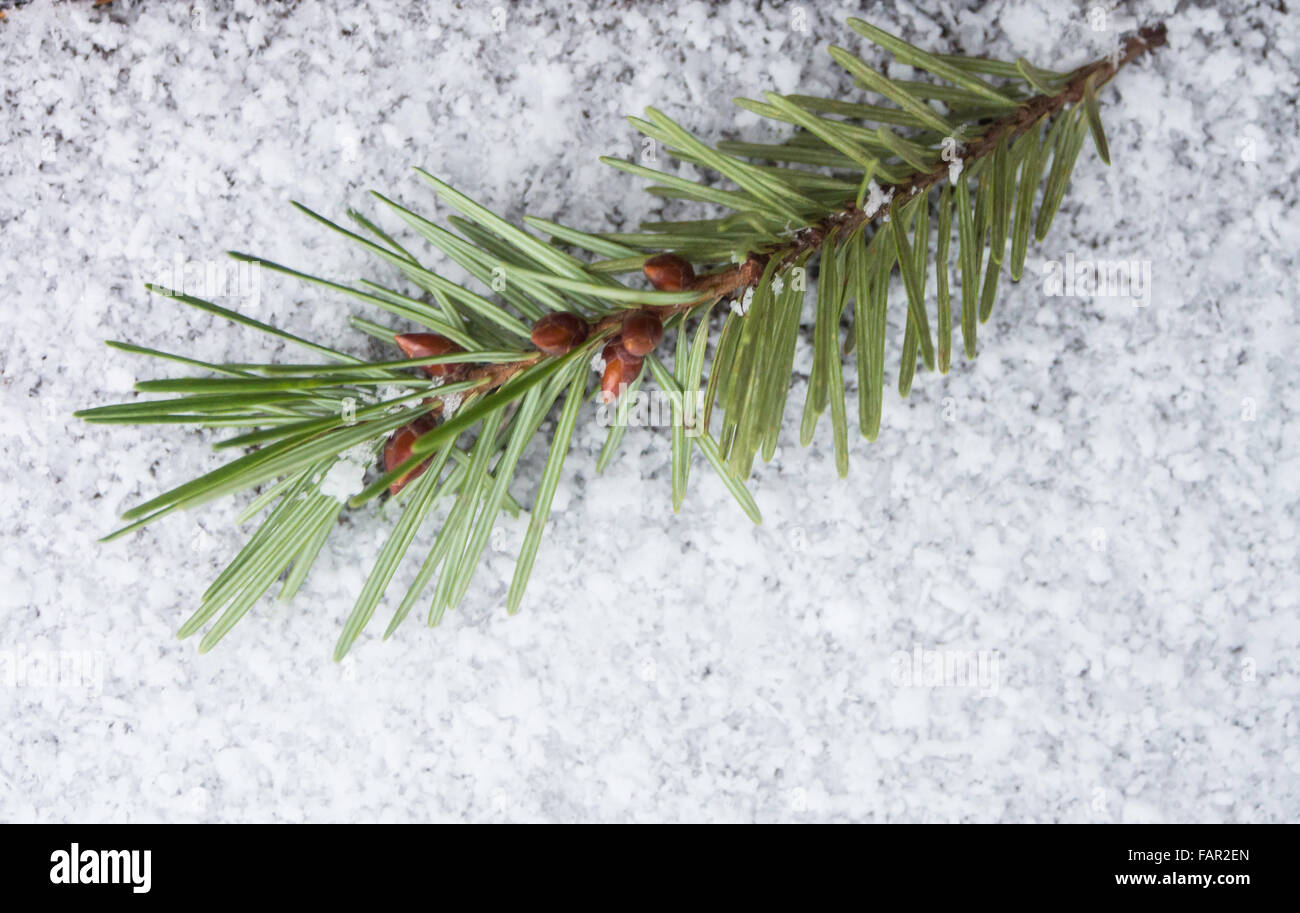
(1099, 513)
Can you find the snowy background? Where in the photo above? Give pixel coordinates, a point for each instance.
(1102, 507)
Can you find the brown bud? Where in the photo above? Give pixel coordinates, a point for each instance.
(669, 273)
(558, 333)
(621, 367)
(428, 345)
(642, 331)
(614, 351)
(398, 450)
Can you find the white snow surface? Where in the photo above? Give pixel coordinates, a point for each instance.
(1101, 507)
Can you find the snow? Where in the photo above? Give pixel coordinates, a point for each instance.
(345, 477)
(741, 305)
(1107, 497)
(450, 403)
(877, 198)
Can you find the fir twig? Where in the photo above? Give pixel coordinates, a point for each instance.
(457, 427)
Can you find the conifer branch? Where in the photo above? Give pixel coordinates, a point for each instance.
(452, 419)
(736, 279)
(1033, 110)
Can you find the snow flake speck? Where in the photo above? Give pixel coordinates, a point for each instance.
(391, 391)
(344, 479)
(741, 305)
(877, 198)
